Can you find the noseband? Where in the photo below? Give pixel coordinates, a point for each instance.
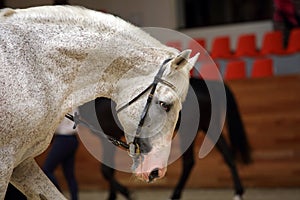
(133, 147)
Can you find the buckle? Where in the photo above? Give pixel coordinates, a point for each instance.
(134, 149)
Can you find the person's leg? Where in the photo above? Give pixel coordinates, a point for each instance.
(55, 156)
(68, 165)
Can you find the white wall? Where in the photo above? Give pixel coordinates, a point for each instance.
(27, 3)
(158, 13)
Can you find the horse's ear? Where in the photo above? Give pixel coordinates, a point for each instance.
(192, 61)
(183, 59)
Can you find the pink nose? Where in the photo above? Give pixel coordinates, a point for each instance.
(155, 174)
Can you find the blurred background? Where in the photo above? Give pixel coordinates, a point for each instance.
(256, 47)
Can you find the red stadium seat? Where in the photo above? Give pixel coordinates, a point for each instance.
(221, 48)
(197, 45)
(246, 46)
(235, 69)
(210, 71)
(200, 41)
(262, 67)
(272, 43)
(294, 41)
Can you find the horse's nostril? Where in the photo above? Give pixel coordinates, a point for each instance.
(154, 174)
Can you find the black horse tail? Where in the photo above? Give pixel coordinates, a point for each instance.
(237, 135)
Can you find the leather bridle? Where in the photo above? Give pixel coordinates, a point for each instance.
(133, 147)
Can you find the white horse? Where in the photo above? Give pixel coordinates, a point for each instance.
(55, 58)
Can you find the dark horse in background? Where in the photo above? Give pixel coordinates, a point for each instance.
(238, 148)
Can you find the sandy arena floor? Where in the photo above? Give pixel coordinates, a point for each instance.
(201, 194)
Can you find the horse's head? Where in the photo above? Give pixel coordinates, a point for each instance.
(151, 113)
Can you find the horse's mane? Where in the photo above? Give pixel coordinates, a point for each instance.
(64, 13)
(79, 16)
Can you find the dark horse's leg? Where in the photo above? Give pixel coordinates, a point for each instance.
(13, 193)
(108, 173)
(229, 159)
(188, 163)
(187, 166)
(239, 142)
(106, 120)
(236, 131)
(114, 185)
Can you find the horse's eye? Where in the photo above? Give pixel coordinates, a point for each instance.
(165, 106)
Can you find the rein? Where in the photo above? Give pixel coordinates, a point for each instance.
(76, 119)
(133, 147)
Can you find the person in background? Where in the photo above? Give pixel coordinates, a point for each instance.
(62, 152)
(286, 16)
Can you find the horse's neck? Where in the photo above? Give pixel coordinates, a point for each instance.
(93, 76)
(87, 61)
(92, 65)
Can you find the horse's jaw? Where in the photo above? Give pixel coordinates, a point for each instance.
(153, 165)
